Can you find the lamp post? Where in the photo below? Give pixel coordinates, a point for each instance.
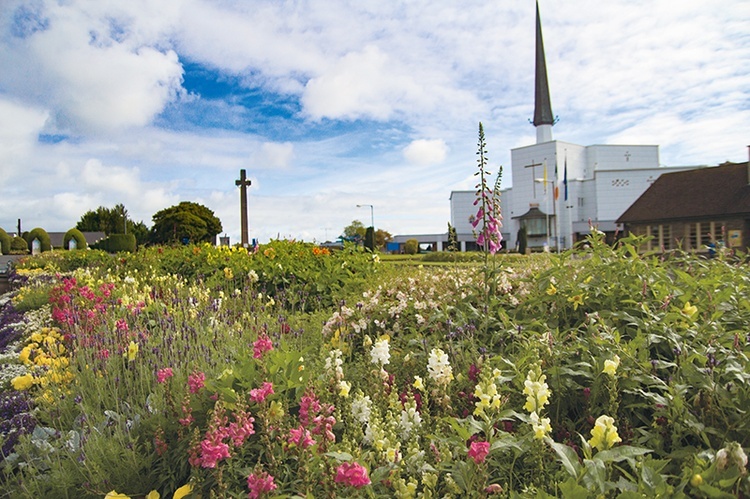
(372, 215)
(554, 212)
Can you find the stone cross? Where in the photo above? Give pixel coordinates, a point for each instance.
(243, 182)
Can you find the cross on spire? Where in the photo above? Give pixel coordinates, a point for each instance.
(243, 182)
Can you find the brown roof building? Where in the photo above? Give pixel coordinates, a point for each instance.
(694, 210)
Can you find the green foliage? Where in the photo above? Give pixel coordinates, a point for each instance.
(186, 221)
(116, 243)
(41, 235)
(411, 247)
(658, 346)
(382, 238)
(370, 239)
(18, 246)
(522, 240)
(113, 221)
(5, 240)
(453, 244)
(77, 236)
(355, 231)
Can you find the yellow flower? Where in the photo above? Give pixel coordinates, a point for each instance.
(228, 274)
(551, 290)
(182, 491)
(153, 495)
(132, 351)
(275, 410)
(418, 383)
(689, 309)
(576, 300)
(22, 382)
(611, 365)
(540, 426)
(537, 392)
(116, 495)
(344, 387)
(604, 433)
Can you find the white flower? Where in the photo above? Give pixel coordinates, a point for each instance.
(439, 367)
(380, 352)
(362, 408)
(410, 419)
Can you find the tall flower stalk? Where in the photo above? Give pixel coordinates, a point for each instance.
(487, 221)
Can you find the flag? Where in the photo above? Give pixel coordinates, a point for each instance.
(565, 177)
(556, 190)
(545, 177)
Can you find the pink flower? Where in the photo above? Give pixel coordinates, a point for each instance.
(300, 437)
(478, 451)
(308, 408)
(241, 429)
(262, 345)
(196, 381)
(260, 483)
(213, 450)
(324, 426)
(163, 375)
(121, 325)
(258, 395)
(353, 474)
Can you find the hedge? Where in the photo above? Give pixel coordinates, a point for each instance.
(115, 243)
(41, 234)
(4, 242)
(76, 235)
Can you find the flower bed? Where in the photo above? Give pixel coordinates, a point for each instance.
(298, 372)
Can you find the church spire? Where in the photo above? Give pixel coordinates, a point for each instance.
(543, 118)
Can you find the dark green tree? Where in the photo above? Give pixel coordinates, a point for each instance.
(187, 221)
(370, 239)
(452, 238)
(522, 240)
(113, 221)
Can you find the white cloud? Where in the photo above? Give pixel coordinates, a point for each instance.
(274, 155)
(19, 128)
(426, 152)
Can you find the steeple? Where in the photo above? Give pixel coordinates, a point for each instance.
(543, 117)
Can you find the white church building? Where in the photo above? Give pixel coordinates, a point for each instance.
(559, 189)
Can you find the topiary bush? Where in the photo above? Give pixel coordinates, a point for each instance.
(116, 243)
(77, 236)
(18, 246)
(41, 234)
(411, 247)
(4, 242)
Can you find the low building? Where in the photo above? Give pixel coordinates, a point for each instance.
(694, 210)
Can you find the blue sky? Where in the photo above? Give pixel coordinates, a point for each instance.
(332, 103)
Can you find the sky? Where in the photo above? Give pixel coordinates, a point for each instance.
(330, 104)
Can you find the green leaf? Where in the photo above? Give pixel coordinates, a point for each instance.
(567, 457)
(571, 489)
(339, 456)
(621, 453)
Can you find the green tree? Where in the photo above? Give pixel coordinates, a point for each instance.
(113, 221)
(452, 238)
(382, 238)
(355, 231)
(370, 239)
(411, 247)
(186, 221)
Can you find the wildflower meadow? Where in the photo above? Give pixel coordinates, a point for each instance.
(297, 372)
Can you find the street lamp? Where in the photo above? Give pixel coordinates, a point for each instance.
(372, 215)
(554, 212)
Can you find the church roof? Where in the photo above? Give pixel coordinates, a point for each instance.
(714, 192)
(542, 102)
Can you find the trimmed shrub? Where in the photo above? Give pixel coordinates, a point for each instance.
(41, 234)
(4, 242)
(18, 246)
(411, 247)
(115, 243)
(77, 236)
(370, 239)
